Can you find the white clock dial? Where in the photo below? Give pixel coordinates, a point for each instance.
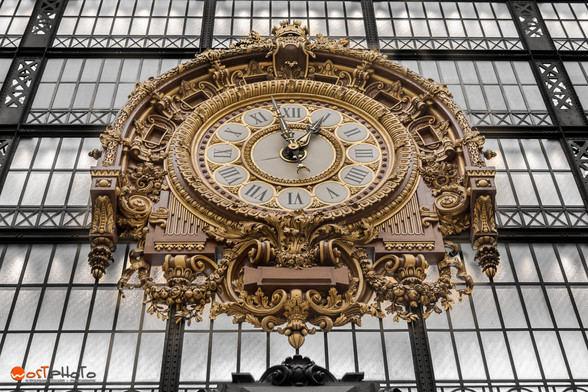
(316, 157)
(320, 155)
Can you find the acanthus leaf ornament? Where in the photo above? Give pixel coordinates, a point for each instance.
(398, 169)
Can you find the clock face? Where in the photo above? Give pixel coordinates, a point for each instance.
(296, 154)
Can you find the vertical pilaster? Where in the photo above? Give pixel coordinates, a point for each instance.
(369, 19)
(421, 354)
(207, 24)
(172, 354)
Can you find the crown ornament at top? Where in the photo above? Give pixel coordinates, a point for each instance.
(287, 29)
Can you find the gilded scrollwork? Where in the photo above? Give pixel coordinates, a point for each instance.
(402, 284)
(147, 179)
(452, 205)
(188, 289)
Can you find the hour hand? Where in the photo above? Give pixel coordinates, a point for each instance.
(310, 130)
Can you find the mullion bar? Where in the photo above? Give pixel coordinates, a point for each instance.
(454, 348)
(384, 352)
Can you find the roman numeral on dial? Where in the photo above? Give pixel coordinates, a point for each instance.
(294, 198)
(356, 175)
(331, 192)
(293, 112)
(231, 175)
(258, 117)
(233, 132)
(352, 132)
(364, 153)
(222, 153)
(257, 192)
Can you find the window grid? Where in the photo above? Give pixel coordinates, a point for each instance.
(47, 183)
(39, 328)
(445, 25)
(14, 16)
(490, 93)
(575, 289)
(248, 349)
(131, 24)
(234, 19)
(519, 315)
(567, 24)
(536, 187)
(90, 91)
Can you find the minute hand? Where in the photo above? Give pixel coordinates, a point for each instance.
(286, 132)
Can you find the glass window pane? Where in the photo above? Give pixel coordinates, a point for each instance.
(399, 356)
(370, 355)
(444, 364)
(497, 357)
(77, 309)
(123, 348)
(470, 356)
(41, 350)
(340, 353)
(569, 189)
(151, 347)
(35, 189)
(11, 194)
(576, 352)
(223, 358)
(523, 355)
(25, 309)
(253, 353)
(195, 349)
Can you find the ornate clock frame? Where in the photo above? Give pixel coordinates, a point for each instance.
(294, 271)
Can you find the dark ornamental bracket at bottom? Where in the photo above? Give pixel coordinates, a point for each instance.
(299, 372)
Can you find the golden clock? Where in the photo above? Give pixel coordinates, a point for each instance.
(285, 153)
